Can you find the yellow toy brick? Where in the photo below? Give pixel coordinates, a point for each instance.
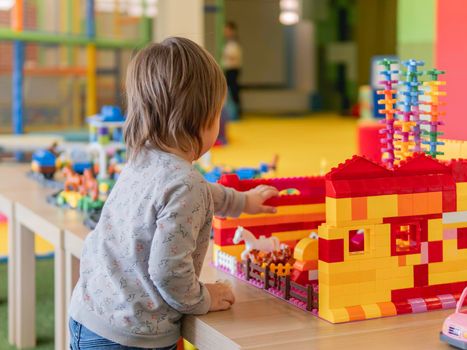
(382, 206)
(334, 315)
(461, 194)
(435, 230)
(447, 277)
(342, 278)
(292, 235)
(338, 210)
(452, 254)
(413, 259)
(371, 311)
(306, 249)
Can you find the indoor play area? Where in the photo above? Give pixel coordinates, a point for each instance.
(341, 134)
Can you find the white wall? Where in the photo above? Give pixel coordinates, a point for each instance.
(183, 18)
(262, 39)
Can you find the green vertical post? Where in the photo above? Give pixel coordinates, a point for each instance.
(69, 30)
(40, 25)
(220, 23)
(145, 26)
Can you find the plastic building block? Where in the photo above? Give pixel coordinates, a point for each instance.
(356, 313)
(462, 238)
(420, 275)
(311, 190)
(359, 208)
(435, 251)
(307, 249)
(389, 101)
(331, 251)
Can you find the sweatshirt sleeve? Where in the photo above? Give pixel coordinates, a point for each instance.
(227, 201)
(171, 264)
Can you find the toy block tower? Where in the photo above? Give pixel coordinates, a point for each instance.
(389, 100)
(409, 135)
(394, 241)
(433, 93)
(106, 135)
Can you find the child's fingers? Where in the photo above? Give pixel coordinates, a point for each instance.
(224, 305)
(269, 193)
(268, 209)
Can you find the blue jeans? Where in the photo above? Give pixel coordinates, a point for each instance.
(82, 338)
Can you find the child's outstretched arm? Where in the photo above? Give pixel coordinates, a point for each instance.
(179, 247)
(229, 202)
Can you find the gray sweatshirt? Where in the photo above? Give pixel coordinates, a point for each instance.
(140, 266)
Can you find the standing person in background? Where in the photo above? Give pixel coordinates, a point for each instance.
(232, 62)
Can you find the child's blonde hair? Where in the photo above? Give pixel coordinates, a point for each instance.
(175, 89)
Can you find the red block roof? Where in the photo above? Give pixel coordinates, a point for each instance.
(359, 177)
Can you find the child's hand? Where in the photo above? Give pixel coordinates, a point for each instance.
(257, 196)
(222, 296)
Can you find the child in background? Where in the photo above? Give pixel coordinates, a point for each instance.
(140, 266)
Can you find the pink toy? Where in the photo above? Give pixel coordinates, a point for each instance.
(251, 242)
(455, 326)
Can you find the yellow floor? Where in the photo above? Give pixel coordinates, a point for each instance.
(305, 145)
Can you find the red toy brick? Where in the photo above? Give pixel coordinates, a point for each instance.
(420, 275)
(433, 303)
(422, 164)
(357, 168)
(402, 295)
(449, 201)
(462, 238)
(331, 250)
(435, 251)
(459, 170)
(312, 189)
(403, 307)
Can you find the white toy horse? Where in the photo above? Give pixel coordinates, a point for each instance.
(262, 243)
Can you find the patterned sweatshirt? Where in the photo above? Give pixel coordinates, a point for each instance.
(140, 266)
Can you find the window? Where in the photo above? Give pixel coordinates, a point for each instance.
(406, 239)
(357, 241)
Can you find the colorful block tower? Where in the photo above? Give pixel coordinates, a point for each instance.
(389, 100)
(105, 135)
(408, 134)
(433, 93)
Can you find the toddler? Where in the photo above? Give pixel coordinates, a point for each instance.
(140, 266)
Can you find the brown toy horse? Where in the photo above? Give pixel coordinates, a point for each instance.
(72, 180)
(89, 185)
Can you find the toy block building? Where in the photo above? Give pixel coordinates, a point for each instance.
(394, 241)
(300, 210)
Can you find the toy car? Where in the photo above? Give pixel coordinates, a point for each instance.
(455, 326)
(43, 162)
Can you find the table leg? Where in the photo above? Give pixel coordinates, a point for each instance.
(60, 307)
(11, 277)
(25, 287)
(72, 275)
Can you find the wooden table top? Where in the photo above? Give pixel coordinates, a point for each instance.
(257, 320)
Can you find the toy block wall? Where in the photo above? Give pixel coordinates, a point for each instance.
(413, 225)
(300, 210)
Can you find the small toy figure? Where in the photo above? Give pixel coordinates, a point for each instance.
(251, 242)
(455, 326)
